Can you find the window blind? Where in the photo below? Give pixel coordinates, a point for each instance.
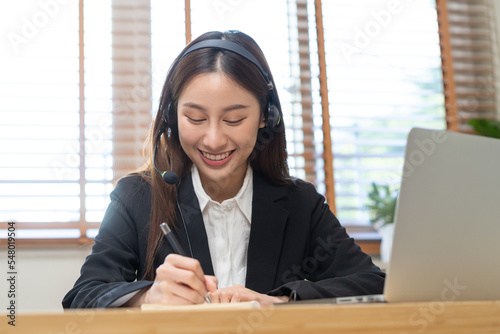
(303, 100)
(76, 108)
(39, 112)
(383, 70)
(131, 82)
(168, 37)
(469, 57)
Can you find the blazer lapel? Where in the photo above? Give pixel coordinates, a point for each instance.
(195, 227)
(266, 235)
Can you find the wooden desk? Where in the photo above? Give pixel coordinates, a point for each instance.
(400, 318)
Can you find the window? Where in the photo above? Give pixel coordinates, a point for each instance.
(57, 138)
(76, 104)
(46, 153)
(95, 87)
(384, 77)
(470, 60)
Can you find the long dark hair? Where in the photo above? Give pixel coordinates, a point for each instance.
(268, 158)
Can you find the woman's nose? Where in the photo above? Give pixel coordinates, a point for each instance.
(214, 139)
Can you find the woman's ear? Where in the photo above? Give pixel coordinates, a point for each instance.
(262, 123)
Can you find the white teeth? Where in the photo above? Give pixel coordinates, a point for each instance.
(216, 157)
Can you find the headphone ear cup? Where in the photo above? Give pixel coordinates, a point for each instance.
(273, 116)
(169, 117)
(166, 111)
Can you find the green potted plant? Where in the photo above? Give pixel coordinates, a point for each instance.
(486, 127)
(382, 201)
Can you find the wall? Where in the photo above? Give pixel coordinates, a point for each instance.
(44, 276)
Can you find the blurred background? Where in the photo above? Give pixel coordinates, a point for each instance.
(80, 82)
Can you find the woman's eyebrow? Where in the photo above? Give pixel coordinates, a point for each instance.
(234, 107)
(202, 108)
(194, 106)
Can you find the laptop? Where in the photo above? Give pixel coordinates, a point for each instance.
(446, 244)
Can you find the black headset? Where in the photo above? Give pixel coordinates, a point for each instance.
(273, 116)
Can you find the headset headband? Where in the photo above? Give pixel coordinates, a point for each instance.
(233, 47)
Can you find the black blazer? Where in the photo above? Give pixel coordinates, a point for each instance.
(296, 243)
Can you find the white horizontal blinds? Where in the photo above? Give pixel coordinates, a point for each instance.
(273, 28)
(322, 162)
(384, 77)
(57, 111)
(168, 38)
(98, 129)
(293, 109)
(39, 116)
(303, 113)
(468, 31)
(131, 56)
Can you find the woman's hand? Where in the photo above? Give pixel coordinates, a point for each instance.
(238, 293)
(179, 281)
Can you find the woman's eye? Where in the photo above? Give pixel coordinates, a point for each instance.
(235, 122)
(195, 120)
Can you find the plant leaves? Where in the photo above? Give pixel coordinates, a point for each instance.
(382, 203)
(486, 127)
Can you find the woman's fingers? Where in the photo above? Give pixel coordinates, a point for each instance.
(238, 293)
(211, 283)
(236, 298)
(179, 280)
(186, 263)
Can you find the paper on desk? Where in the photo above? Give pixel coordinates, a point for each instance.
(228, 306)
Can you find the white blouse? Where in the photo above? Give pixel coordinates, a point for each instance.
(228, 230)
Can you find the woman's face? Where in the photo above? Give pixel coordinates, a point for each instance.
(218, 122)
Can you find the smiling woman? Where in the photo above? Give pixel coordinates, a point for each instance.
(253, 232)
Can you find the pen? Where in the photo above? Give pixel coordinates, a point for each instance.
(176, 246)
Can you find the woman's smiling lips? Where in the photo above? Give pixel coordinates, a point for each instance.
(216, 159)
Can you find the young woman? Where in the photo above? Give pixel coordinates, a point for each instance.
(250, 231)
